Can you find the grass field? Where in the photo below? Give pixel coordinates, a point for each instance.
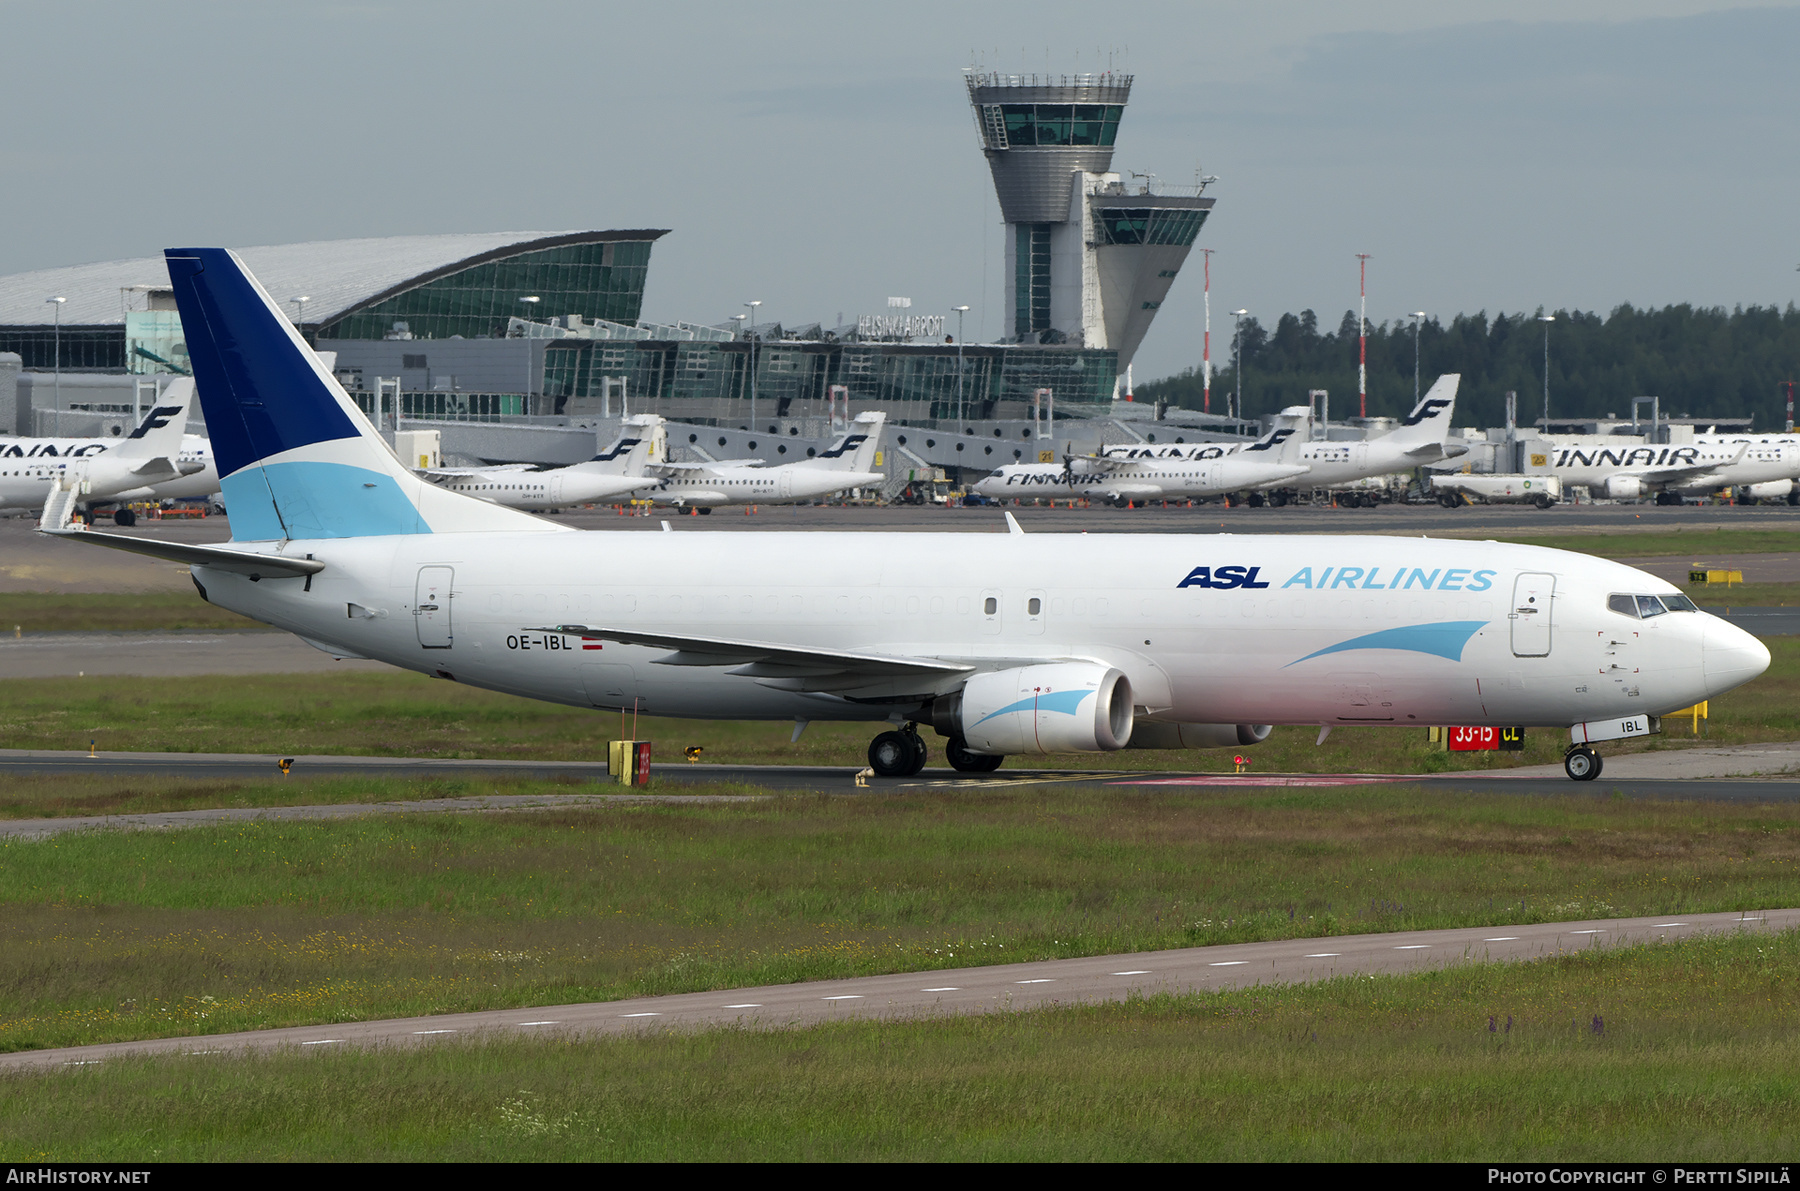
(142, 611)
(1682, 1051)
(401, 714)
(113, 935)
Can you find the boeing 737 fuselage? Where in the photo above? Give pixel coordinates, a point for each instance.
(1005, 643)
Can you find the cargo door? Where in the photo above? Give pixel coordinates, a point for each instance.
(784, 480)
(431, 607)
(1533, 595)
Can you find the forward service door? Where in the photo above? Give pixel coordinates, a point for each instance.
(1533, 595)
(431, 606)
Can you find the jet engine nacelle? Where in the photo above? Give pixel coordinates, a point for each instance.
(1623, 487)
(1058, 707)
(1198, 736)
(1769, 490)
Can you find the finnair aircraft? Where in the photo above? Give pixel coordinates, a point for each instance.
(617, 472)
(1121, 479)
(1629, 469)
(1004, 643)
(1781, 450)
(106, 469)
(845, 464)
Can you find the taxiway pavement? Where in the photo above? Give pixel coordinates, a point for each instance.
(961, 991)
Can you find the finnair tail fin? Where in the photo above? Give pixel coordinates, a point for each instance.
(295, 458)
(1430, 420)
(855, 451)
(1275, 445)
(643, 440)
(158, 436)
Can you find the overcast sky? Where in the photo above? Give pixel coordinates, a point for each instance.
(821, 157)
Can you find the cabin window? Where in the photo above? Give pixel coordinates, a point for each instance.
(1624, 605)
(991, 606)
(1034, 606)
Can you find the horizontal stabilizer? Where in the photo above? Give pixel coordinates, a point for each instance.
(224, 558)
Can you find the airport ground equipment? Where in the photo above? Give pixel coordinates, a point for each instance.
(1009, 641)
(1540, 490)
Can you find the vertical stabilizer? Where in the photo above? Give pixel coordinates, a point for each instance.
(643, 440)
(295, 458)
(1430, 420)
(855, 450)
(159, 435)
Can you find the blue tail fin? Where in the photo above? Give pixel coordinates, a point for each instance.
(296, 458)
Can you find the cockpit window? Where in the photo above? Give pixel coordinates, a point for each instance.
(1642, 607)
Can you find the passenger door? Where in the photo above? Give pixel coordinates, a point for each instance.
(1533, 595)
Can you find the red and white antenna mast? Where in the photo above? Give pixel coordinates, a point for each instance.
(1362, 335)
(1790, 404)
(1206, 337)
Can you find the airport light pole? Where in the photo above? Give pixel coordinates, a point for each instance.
(300, 313)
(1206, 336)
(1546, 319)
(530, 301)
(750, 334)
(1362, 335)
(1418, 317)
(1237, 358)
(56, 364)
(960, 311)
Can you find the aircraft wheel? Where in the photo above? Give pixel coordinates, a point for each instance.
(1278, 499)
(1582, 764)
(921, 753)
(126, 517)
(706, 510)
(1255, 501)
(963, 761)
(892, 754)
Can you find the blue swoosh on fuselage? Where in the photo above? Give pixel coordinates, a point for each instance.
(1444, 639)
(1065, 702)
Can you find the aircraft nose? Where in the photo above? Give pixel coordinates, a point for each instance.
(1730, 656)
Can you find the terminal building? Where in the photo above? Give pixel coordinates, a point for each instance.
(525, 345)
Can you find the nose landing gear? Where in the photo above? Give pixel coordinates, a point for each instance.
(1582, 763)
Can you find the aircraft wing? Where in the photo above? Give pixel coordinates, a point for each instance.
(762, 659)
(1689, 474)
(666, 467)
(243, 562)
(434, 474)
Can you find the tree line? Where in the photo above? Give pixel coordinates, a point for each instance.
(1701, 361)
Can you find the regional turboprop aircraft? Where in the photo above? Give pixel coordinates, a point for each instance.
(618, 471)
(104, 469)
(1005, 643)
(844, 464)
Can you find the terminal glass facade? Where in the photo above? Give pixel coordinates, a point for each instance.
(596, 281)
(702, 381)
(82, 348)
(1060, 123)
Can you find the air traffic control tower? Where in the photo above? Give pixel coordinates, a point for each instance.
(1091, 255)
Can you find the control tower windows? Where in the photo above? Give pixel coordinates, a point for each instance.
(1060, 123)
(1148, 225)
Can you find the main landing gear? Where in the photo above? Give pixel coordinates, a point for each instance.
(1582, 763)
(903, 752)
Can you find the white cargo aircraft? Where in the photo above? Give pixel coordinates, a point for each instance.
(104, 470)
(1005, 643)
(844, 464)
(617, 472)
